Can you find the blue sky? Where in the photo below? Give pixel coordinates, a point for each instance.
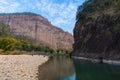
(60, 13)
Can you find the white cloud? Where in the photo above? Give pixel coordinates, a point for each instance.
(3, 2)
(61, 15)
(8, 6)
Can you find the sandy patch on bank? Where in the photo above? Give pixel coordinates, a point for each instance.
(20, 67)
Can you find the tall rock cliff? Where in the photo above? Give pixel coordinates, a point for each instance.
(37, 28)
(97, 29)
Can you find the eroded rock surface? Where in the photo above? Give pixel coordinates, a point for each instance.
(38, 29)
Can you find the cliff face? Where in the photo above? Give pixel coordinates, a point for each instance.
(37, 28)
(97, 30)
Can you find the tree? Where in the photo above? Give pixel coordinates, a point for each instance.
(8, 43)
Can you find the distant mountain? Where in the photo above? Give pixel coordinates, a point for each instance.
(38, 29)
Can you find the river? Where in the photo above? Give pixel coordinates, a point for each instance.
(64, 68)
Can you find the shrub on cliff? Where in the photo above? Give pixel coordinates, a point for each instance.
(117, 28)
(4, 30)
(93, 7)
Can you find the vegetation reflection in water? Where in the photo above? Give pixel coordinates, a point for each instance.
(63, 68)
(57, 68)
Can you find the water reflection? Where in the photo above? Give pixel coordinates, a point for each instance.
(93, 71)
(62, 68)
(73, 77)
(57, 68)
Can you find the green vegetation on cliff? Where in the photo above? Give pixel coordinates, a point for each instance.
(4, 30)
(97, 29)
(94, 8)
(10, 43)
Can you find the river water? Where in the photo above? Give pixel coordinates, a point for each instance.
(64, 68)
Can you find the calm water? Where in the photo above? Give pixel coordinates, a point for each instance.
(63, 68)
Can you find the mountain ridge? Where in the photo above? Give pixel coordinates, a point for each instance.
(37, 28)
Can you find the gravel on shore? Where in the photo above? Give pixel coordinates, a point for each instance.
(20, 67)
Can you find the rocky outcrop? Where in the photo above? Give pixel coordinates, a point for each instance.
(97, 34)
(37, 28)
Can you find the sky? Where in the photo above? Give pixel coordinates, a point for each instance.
(60, 13)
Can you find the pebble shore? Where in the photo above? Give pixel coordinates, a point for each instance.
(20, 67)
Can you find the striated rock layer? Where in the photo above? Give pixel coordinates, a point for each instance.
(38, 29)
(97, 30)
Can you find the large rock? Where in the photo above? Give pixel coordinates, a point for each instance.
(97, 34)
(37, 28)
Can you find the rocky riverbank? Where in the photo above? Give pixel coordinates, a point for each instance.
(20, 67)
(114, 62)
